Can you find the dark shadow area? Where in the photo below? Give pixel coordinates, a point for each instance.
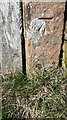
(23, 41)
(61, 51)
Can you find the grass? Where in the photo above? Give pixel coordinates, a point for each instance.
(38, 96)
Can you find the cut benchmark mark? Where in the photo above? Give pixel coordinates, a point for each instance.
(46, 18)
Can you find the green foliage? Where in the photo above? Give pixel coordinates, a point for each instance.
(38, 96)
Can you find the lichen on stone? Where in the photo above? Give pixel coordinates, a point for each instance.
(36, 29)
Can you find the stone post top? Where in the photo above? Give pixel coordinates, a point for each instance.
(1, 1)
(43, 1)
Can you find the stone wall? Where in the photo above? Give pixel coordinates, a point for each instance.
(10, 42)
(43, 30)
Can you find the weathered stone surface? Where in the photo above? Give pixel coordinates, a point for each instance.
(36, 29)
(10, 42)
(45, 48)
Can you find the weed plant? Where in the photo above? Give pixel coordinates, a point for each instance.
(37, 96)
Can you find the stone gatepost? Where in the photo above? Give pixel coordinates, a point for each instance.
(43, 33)
(10, 41)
